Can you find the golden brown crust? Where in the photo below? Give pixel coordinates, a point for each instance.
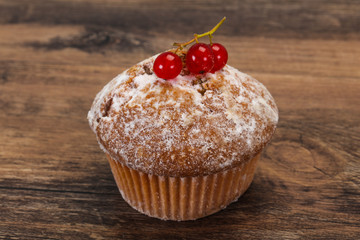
(189, 126)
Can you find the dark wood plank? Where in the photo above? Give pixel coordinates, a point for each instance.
(55, 182)
(280, 18)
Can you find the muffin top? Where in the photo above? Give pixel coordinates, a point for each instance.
(187, 126)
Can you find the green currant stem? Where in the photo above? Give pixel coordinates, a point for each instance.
(197, 36)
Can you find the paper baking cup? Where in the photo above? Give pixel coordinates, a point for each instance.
(182, 198)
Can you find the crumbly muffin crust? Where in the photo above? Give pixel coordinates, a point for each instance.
(187, 126)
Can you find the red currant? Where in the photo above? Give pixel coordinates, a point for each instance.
(199, 58)
(221, 56)
(167, 65)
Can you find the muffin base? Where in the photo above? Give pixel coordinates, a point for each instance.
(182, 198)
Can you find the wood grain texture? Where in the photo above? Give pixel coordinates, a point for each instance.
(55, 182)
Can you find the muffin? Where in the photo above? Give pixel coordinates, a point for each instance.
(183, 148)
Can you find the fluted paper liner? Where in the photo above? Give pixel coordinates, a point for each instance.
(182, 198)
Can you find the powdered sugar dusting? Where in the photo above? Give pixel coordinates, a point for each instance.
(186, 126)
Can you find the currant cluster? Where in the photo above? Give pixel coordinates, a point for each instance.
(200, 58)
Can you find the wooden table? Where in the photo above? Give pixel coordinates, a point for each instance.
(55, 182)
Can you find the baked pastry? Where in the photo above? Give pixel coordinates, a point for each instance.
(183, 148)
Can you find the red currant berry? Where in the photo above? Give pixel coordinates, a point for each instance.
(167, 65)
(199, 58)
(221, 56)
